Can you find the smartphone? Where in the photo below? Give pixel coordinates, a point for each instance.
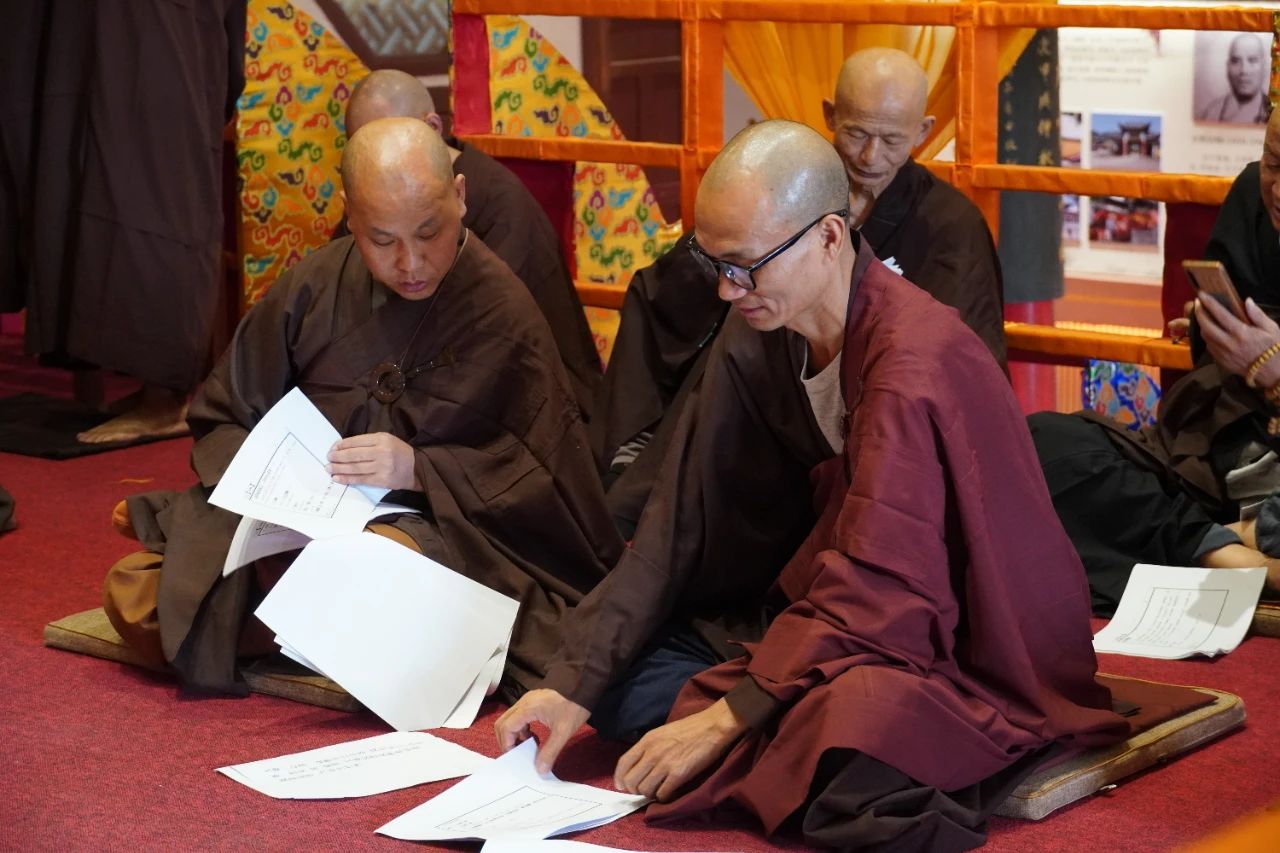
(1209, 278)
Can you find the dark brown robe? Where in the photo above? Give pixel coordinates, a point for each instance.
(939, 240)
(936, 617)
(671, 313)
(504, 214)
(511, 496)
(121, 250)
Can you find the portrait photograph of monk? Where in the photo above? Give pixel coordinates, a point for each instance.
(1231, 78)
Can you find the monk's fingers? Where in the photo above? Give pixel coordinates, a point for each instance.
(511, 735)
(653, 780)
(512, 728)
(1209, 316)
(369, 439)
(549, 750)
(364, 467)
(626, 763)
(635, 765)
(674, 781)
(1260, 319)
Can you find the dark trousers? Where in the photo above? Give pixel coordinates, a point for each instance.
(1116, 512)
(642, 699)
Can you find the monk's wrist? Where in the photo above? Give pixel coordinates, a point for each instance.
(1264, 371)
(728, 726)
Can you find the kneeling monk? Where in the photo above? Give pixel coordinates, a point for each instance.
(854, 496)
(429, 356)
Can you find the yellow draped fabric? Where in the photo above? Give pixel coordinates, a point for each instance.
(788, 69)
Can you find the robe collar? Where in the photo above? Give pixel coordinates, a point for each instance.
(896, 203)
(861, 290)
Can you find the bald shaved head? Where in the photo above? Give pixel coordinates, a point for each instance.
(404, 204)
(771, 230)
(387, 93)
(877, 117)
(394, 155)
(795, 173)
(881, 77)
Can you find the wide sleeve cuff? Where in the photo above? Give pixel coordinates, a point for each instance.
(573, 684)
(751, 704)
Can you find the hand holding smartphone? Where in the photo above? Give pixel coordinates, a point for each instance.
(1209, 278)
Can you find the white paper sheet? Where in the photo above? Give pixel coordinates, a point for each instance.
(278, 475)
(548, 846)
(358, 768)
(508, 800)
(255, 538)
(295, 655)
(1173, 612)
(401, 633)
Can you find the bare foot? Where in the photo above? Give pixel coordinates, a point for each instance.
(158, 413)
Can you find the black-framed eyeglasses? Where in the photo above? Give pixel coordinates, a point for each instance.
(741, 276)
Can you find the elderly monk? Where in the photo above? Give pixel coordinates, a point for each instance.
(1201, 487)
(917, 225)
(504, 215)
(859, 504)
(426, 353)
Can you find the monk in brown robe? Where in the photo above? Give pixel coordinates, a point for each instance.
(855, 498)
(426, 353)
(504, 215)
(918, 225)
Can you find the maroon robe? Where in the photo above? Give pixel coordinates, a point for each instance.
(936, 616)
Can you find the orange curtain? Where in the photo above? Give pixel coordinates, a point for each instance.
(788, 69)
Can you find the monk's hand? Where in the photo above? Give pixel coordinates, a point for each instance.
(562, 718)
(668, 757)
(1234, 343)
(372, 459)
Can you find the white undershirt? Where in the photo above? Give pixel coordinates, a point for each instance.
(826, 400)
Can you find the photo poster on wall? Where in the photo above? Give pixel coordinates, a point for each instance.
(1175, 101)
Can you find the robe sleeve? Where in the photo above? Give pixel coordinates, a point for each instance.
(877, 590)
(254, 372)
(714, 515)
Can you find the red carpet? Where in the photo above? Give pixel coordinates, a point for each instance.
(99, 756)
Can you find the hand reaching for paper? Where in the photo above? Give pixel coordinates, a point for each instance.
(669, 756)
(1235, 343)
(561, 716)
(373, 459)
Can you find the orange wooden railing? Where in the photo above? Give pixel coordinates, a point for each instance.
(975, 171)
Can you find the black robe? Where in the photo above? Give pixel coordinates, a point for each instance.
(511, 496)
(1247, 244)
(504, 214)
(940, 242)
(1149, 496)
(120, 212)
(671, 313)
